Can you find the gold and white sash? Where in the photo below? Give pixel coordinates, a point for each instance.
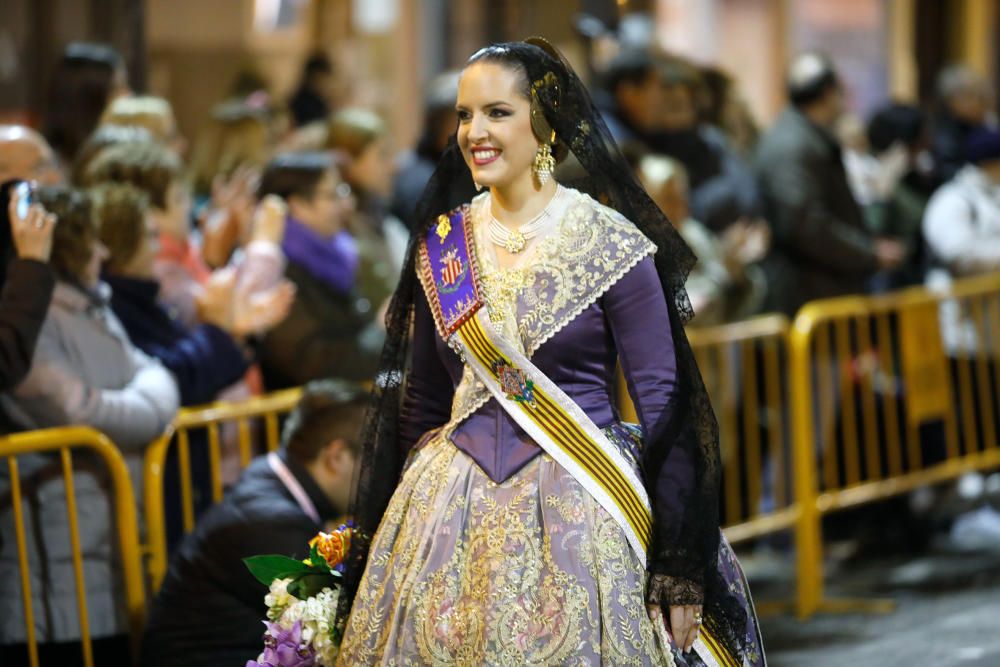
(559, 426)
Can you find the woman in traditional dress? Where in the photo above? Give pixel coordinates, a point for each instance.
(519, 521)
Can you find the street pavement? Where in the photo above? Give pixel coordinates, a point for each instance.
(947, 611)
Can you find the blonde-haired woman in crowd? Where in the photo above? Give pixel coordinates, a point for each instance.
(151, 113)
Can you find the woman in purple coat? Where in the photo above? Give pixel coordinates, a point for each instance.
(506, 514)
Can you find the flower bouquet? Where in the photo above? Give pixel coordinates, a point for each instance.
(302, 602)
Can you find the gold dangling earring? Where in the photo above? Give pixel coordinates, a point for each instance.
(479, 188)
(544, 163)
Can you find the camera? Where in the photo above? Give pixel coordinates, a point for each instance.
(24, 193)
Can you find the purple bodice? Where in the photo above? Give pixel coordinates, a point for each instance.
(629, 322)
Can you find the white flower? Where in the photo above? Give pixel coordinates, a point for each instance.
(277, 599)
(292, 613)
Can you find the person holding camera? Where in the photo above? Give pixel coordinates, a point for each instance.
(26, 281)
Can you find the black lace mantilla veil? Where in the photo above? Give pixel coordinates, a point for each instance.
(684, 551)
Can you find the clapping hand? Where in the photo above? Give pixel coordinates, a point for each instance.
(259, 311)
(746, 242)
(889, 252)
(269, 220)
(243, 312)
(228, 219)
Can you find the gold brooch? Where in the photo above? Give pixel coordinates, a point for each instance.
(443, 227)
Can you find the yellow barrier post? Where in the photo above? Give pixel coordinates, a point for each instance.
(808, 537)
(210, 416)
(813, 318)
(62, 440)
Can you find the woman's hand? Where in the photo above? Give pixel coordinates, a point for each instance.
(33, 234)
(685, 623)
(269, 220)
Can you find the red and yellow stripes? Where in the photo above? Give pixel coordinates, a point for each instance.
(718, 651)
(569, 436)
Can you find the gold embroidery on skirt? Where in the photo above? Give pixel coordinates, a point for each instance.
(465, 571)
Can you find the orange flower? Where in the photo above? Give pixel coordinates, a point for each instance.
(333, 546)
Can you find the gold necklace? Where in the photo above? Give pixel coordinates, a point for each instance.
(502, 288)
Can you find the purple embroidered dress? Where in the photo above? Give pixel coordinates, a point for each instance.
(491, 552)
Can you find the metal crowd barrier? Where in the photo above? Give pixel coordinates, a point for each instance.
(889, 393)
(209, 418)
(64, 442)
(744, 367)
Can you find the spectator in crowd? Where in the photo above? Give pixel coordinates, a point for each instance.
(180, 267)
(962, 228)
(152, 113)
(26, 284)
(962, 221)
(722, 187)
(871, 176)
(724, 284)
(332, 331)
(311, 100)
(901, 129)
(157, 171)
(237, 137)
(723, 107)
(87, 78)
(204, 359)
(225, 170)
(84, 371)
(417, 166)
(26, 156)
(104, 137)
(635, 97)
(361, 136)
(209, 609)
(963, 104)
(821, 245)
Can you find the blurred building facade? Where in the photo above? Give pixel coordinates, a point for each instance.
(385, 51)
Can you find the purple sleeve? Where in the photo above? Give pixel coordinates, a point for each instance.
(429, 390)
(640, 324)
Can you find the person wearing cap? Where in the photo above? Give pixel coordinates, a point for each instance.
(209, 609)
(962, 221)
(821, 247)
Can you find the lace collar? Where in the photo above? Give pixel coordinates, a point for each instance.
(591, 248)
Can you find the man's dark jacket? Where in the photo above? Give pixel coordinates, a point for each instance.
(209, 611)
(821, 247)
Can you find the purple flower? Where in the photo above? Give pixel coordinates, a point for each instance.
(284, 648)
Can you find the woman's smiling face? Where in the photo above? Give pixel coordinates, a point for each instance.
(494, 124)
